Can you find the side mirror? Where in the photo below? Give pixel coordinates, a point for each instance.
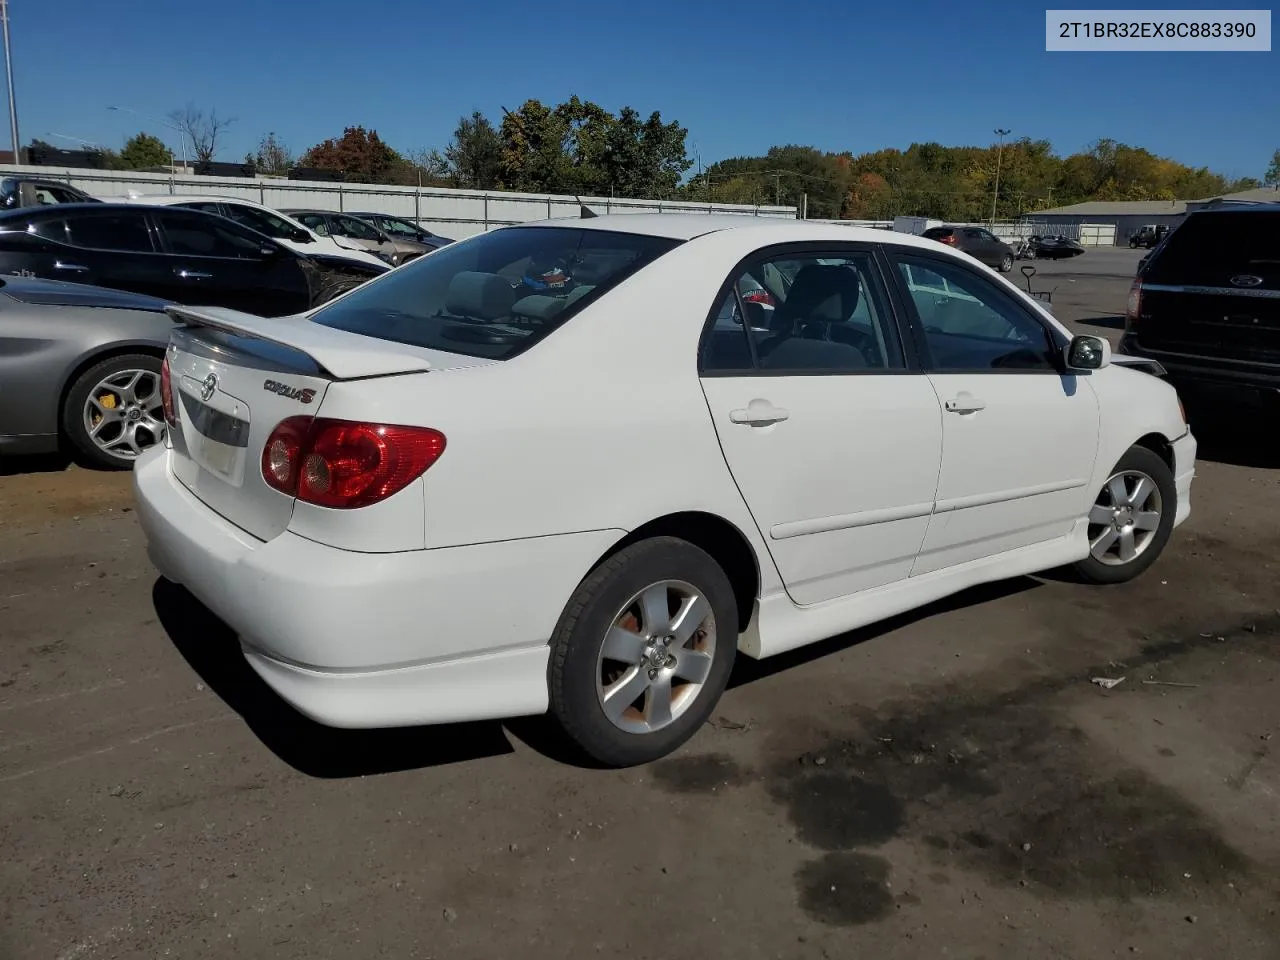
(302, 236)
(1087, 353)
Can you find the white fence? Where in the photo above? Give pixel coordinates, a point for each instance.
(452, 213)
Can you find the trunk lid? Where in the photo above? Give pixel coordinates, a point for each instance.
(1213, 289)
(234, 377)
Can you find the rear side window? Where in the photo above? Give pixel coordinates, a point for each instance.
(1210, 248)
(933, 233)
(126, 232)
(497, 294)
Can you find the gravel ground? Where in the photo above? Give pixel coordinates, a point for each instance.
(946, 784)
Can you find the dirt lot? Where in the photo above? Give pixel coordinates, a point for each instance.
(948, 784)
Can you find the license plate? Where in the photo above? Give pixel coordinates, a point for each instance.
(218, 457)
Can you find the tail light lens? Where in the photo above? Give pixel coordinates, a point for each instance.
(166, 393)
(759, 296)
(346, 464)
(1134, 306)
(949, 239)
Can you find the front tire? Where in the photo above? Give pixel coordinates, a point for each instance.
(1131, 519)
(113, 411)
(1006, 264)
(643, 652)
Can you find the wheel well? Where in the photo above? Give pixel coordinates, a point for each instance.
(115, 350)
(719, 538)
(1158, 445)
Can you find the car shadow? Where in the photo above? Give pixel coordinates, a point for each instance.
(747, 670)
(17, 464)
(212, 650)
(1234, 436)
(1105, 322)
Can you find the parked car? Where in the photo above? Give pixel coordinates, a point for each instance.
(980, 244)
(1206, 305)
(270, 223)
(18, 192)
(183, 256)
(1148, 236)
(401, 229)
(538, 469)
(360, 232)
(1054, 247)
(80, 367)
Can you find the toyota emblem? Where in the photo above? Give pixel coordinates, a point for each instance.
(1246, 280)
(208, 386)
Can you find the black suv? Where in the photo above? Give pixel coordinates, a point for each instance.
(1206, 304)
(978, 243)
(1147, 236)
(18, 192)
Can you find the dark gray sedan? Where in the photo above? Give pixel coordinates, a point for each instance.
(80, 368)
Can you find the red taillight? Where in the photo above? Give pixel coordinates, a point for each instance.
(1134, 307)
(166, 393)
(949, 239)
(346, 464)
(759, 296)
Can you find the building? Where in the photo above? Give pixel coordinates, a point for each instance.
(1127, 216)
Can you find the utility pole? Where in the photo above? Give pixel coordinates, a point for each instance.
(8, 71)
(777, 189)
(1001, 133)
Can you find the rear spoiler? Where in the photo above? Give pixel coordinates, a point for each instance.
(342, 355)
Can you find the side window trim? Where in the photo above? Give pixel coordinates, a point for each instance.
(900, 256)
(894, 320)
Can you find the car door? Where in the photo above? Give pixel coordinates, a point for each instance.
(832, 433)
(111, 248)
(362, 233)
(1019, 434)
(213, 261)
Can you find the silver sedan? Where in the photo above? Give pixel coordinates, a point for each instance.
(80, 370)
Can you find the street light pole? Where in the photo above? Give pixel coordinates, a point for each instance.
(1001, 133)
(8, 71)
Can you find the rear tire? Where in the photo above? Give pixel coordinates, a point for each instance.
(1131, 519)
(113, 411)
(1007, 263)
(643, 652)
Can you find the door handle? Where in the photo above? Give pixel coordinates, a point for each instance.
(965, 404)
(192, 274)
(72, 267)
(759, 413)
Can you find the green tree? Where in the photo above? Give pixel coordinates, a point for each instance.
(142, 151)
(1272, 177)
(473, 158)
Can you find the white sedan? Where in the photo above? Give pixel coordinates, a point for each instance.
(581, 465)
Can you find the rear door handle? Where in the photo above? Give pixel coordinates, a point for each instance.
(759, 413)
(965, 404)
(71, 267)
(192, 274)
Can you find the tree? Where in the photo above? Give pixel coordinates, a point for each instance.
(273, 157)
(533, 155)
(474, 157)
(142, 151)
(1272, 177)
(203, 131)
(360, 155)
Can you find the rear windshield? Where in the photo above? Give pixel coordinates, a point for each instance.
(497, 294)
(1210, 248)
(933, 233)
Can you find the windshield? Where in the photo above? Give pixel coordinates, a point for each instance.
(496, 294)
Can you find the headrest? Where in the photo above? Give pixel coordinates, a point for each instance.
(827, 292)
(485, 296)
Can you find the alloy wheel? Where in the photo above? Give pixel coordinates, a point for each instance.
(124, 415)
(1124, 519)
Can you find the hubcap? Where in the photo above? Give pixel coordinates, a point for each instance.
(1125, 518)
(124, 414)
(656, 656)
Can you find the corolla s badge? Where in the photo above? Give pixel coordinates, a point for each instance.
(305, 394)
(208, 385)
(1246, 280)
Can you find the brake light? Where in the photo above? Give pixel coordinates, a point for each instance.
(1134, 306)
(759, 296)
(346, 464)
(166, 393)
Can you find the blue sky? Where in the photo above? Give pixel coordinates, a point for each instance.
(839, 75)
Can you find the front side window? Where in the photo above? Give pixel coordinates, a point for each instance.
(355, 229)
(399, 228)
(126, 232)
(496, 294)
(195, 236)
(315, 222)
(804, 314)
(263, 221)
(970, 325)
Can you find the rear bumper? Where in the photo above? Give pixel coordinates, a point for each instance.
(371, 640)
(1210, 372)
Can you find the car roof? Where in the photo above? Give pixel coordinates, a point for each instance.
(170, 199)
(762, 230)
(1239, 207)
(60, 209)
